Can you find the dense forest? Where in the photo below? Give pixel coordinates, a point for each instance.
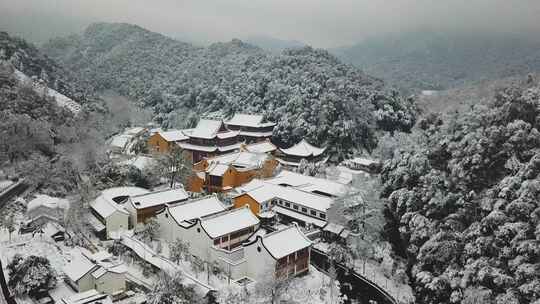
(308, 92)
(463, 202)
(430, 60)
(47, 144)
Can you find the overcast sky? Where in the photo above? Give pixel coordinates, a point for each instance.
(321, 23)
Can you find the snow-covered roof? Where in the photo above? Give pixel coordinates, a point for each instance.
(134, 130)
(249, 120)
(256, 134)
(121, 141)
(217, 169)
(88, 297)
(242, 159)
(253, 184)
(173, 135)
(303, 149)
(308, 183)
(228, 222)
(114, 193)
(261, 147)
(188, 146)
(50, 202)
(79, 266)
(284, 242)
(334, 228)
(114, 268)
(157, 198)
(269, 191)
(228, 134)
(196, 208)
(206, 128)
(105, 206)
(229, 147)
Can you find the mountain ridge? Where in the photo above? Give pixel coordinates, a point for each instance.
(310, 92)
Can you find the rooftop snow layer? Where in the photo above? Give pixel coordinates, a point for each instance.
(105, 207)
(121, 141)
(88, 297)
(216, 169)
(173, 135)
(193, 209)
(309, 183)
(228, 222)
(241, 159)
(261, 147)
(206, 128)
(303, 149)
(78, 267)
(249, 120)
(159, 198)
(268, 191)
(284, 242)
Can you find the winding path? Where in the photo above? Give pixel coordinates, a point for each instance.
(4, 292)
(361, 289)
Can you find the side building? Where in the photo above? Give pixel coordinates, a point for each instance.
(285, 253)
(147, 205)
(163, 141)
(108, 212)
(290, 204)
(99, 271)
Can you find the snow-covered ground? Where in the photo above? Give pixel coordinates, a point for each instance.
(375, 272)
(61, 99)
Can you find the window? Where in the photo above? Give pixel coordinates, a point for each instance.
(295, 207)
(287, 204)
(313, 213)
(166, 215)
(304, 210)
(322, 215)
(216, 241)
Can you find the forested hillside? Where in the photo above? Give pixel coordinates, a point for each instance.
(463, 202)
(308, 92)
(427, 60)
(45, 143)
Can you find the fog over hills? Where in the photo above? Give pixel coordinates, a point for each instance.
(429, 60)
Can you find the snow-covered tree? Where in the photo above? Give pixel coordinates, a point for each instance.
(172, 290)
(30, 275)
(149, 230)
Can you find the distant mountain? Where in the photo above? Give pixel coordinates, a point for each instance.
(272, 44)
(309, 92)
(435, 61)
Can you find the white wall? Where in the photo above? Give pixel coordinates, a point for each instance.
(116, 222)
(111, 283)
(86, 282)
(258, 264)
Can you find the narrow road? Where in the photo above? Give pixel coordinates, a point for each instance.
(5, 296)
(353, 285)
